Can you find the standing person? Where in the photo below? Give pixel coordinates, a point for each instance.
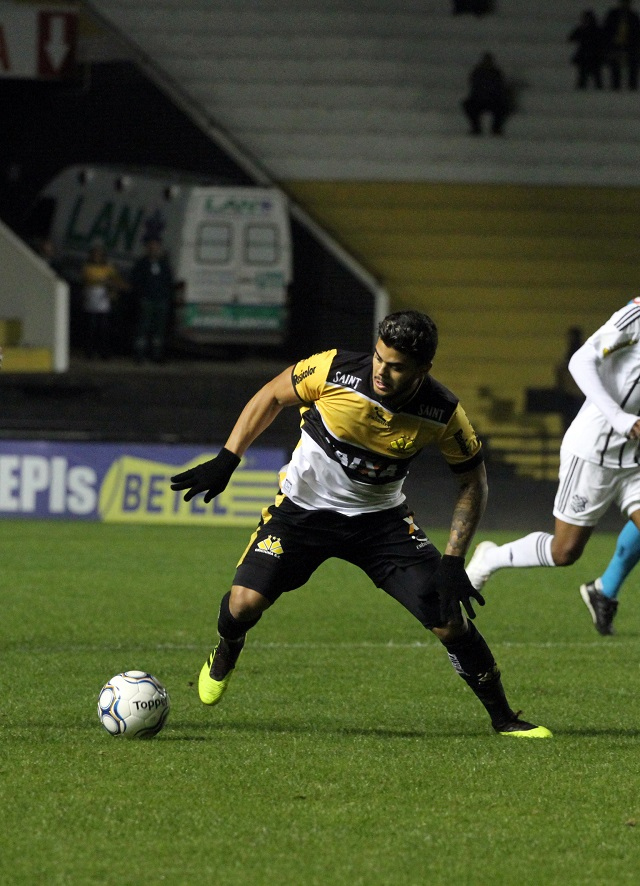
(601, 595)
(599, 455)
(488, 93)
(101, 284)
(153, 285)
(569, 394)
(364, 419)
(589, 55)
(622, 44)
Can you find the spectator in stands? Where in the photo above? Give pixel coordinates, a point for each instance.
(154, 288)
(477, 7)
(101, 284)
(488, 93)
(622, 44)
(589, 54)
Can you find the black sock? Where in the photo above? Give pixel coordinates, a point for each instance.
(232, 636)
(471, 657)
(229, 627)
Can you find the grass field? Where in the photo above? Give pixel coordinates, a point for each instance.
(346, 751)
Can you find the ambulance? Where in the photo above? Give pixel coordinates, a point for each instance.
(229, 246)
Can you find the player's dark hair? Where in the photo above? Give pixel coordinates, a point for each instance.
(411, 333)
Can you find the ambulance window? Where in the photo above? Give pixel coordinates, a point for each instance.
(262, 244)
(213, 245)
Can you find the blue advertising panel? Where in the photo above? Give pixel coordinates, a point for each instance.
(120, 483)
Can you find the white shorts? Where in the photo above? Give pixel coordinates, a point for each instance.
(586, 490)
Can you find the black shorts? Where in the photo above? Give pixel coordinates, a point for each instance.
(290, 543)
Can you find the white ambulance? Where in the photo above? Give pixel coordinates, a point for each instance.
(229, 247)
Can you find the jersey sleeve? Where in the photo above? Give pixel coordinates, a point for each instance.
(619, 332)
(309, 376)
(459, 443)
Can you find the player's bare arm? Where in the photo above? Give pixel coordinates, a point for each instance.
(468, 510)
(212, 476)
(261, 410)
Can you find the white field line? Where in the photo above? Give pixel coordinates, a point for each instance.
(259, 646)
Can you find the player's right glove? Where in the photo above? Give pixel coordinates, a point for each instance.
(211, 477)
(453, 587)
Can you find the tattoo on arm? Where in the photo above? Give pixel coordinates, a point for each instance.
(467, 512)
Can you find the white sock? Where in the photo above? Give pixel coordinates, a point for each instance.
(532, 550)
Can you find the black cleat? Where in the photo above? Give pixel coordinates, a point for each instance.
(602, 609)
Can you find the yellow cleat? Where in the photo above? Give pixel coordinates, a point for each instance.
(211, 690)
(521, 729)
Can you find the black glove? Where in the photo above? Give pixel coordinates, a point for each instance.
(453, 587)
(210, 477)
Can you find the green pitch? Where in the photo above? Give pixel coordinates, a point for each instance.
(346, 750)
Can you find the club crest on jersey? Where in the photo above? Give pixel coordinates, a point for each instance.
(403, 444)
(270, 545)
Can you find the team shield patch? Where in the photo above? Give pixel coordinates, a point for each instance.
(270, 545)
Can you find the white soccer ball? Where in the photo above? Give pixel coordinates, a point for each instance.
(134, 704)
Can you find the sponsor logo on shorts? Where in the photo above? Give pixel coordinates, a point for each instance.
(270, 545)
(578, 504)
(421, 540)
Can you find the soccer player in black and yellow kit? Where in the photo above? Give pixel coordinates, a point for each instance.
(364, 419)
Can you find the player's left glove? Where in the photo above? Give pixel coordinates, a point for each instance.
(211, 477)
(453, 587)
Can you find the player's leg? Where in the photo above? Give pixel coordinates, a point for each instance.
(562, 548)
(625, 557)
(281, 556)
(401, 560)
(600, 595)
(584, 494)
(240, 610)
(472, 659)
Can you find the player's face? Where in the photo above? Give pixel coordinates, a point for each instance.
(395, 375)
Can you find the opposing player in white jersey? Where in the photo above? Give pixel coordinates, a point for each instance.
(599, 460)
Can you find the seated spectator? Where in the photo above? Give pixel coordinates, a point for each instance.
(589, 54)
(488, 93)
(477, 7)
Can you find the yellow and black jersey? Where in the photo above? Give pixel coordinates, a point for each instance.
(354, 451)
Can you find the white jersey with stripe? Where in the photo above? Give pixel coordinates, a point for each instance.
(614, 352)
(354, 451)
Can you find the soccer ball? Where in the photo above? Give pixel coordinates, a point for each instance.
(134, 704)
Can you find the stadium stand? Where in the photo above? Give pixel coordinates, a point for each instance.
(356, 114)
